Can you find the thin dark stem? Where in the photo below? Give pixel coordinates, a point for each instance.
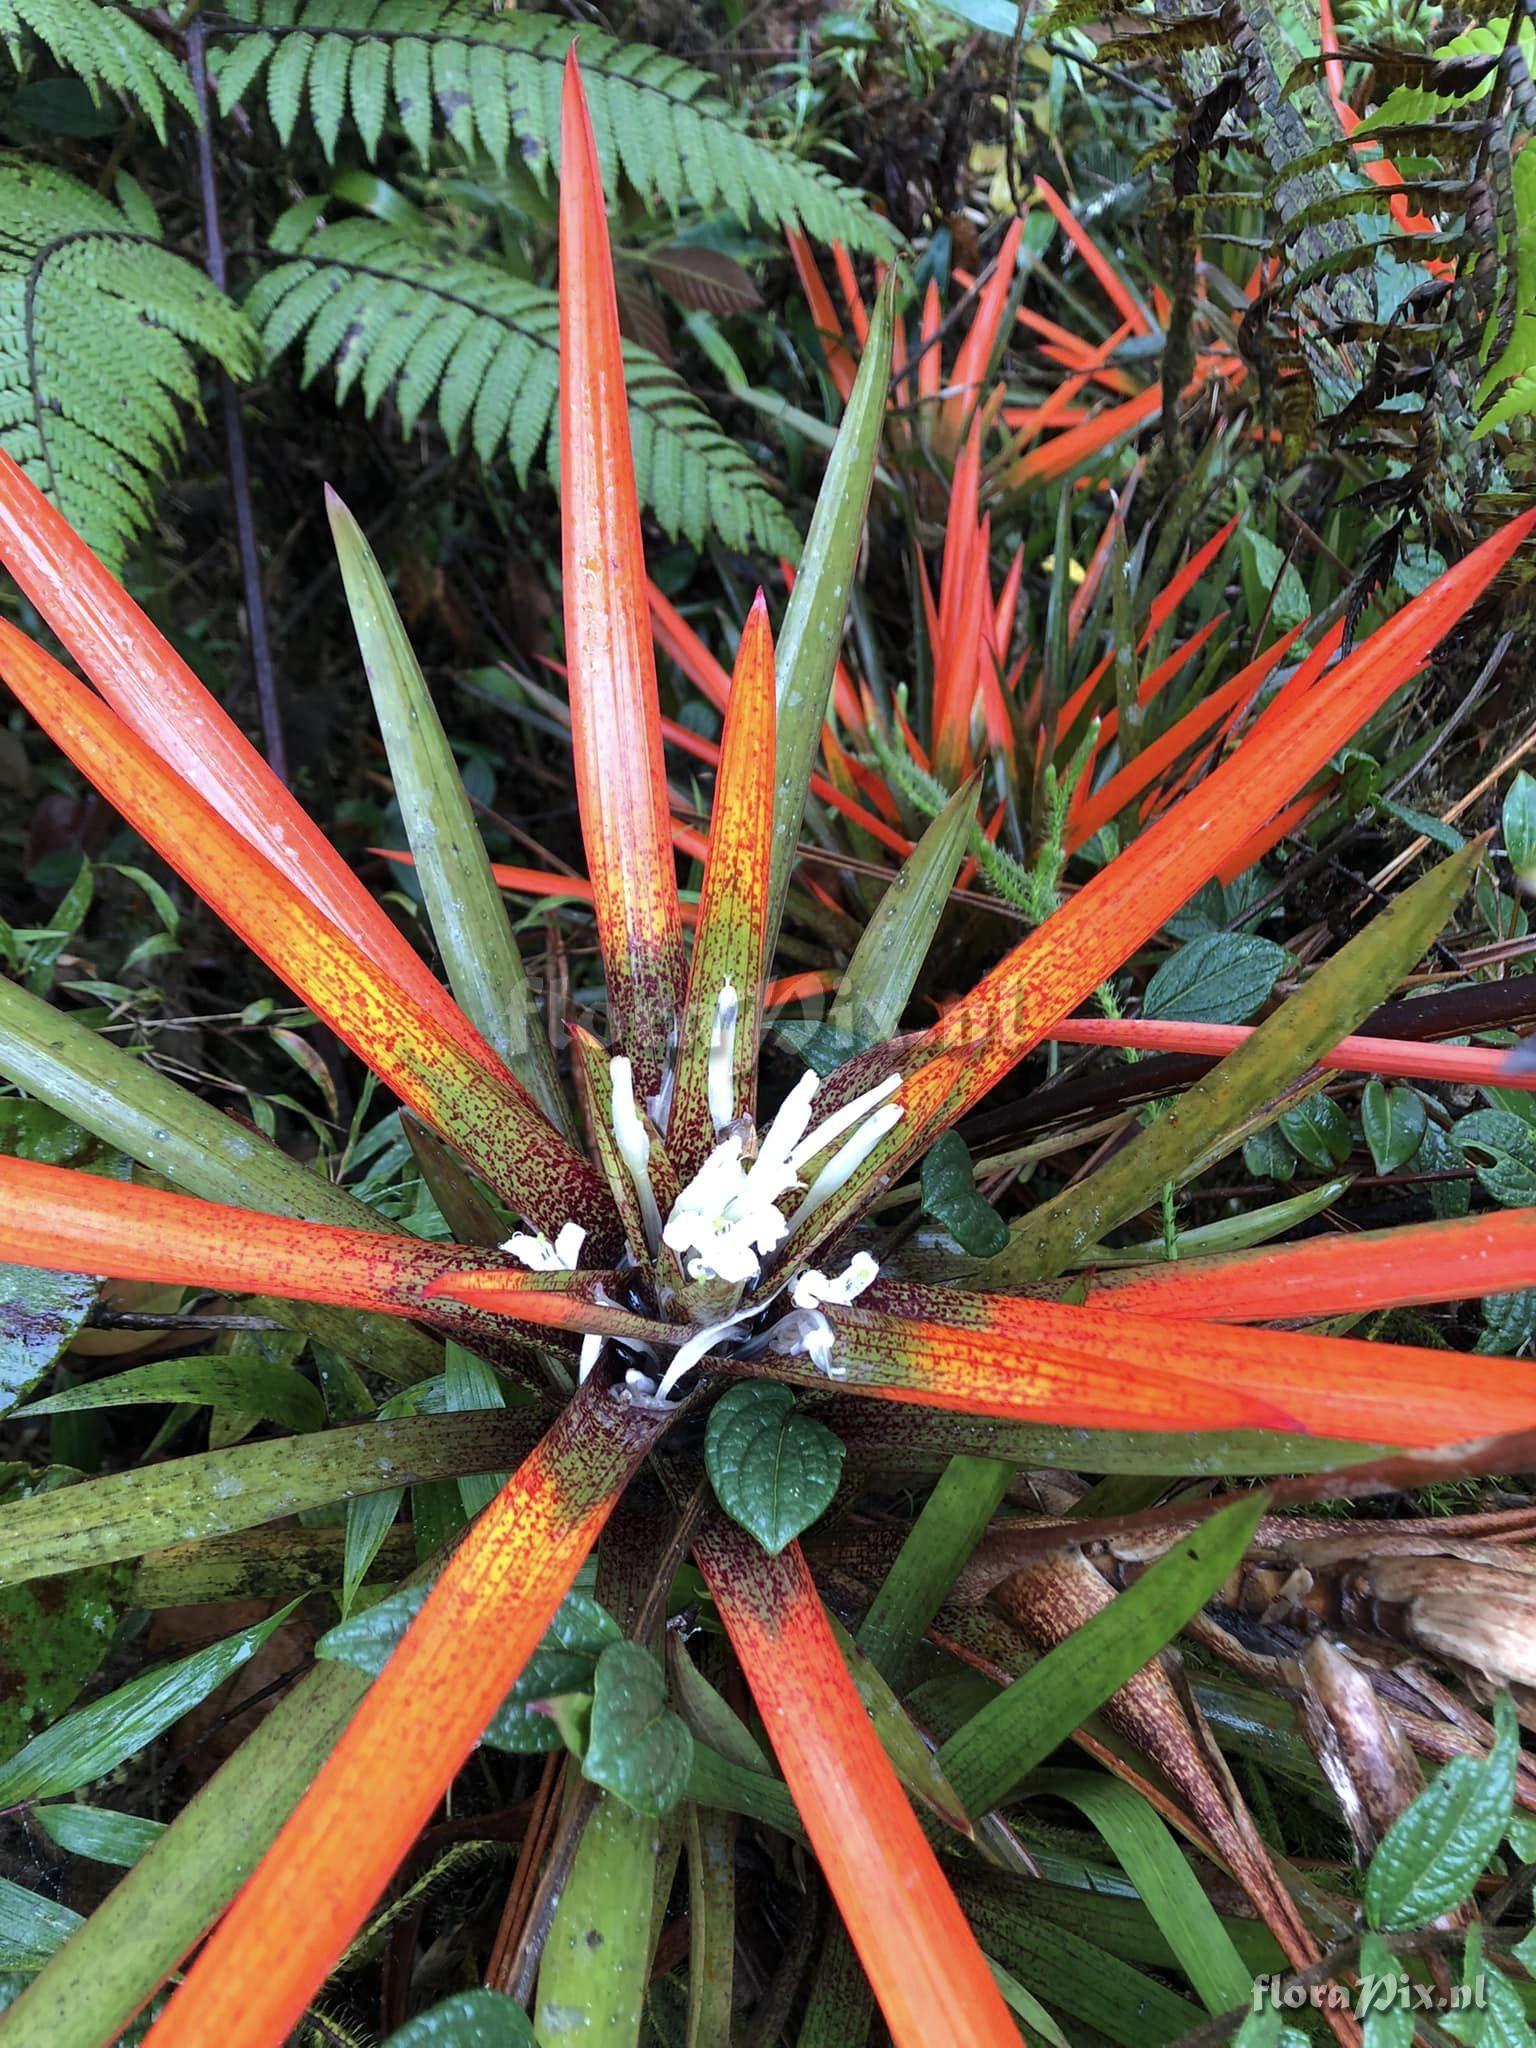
(234, 433)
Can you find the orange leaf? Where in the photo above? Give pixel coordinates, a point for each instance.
(1123, 300)
(159, 699)
(1144, 768)
(621, 782)
(72, 1222)
(920, 1956)
(440, 1067)
(732, 942)
(841, 366)
(1096, 1368)
(1326, 1276)
(419, 1720)
(1471, 1066)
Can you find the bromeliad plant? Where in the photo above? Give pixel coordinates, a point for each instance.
(705, 1242)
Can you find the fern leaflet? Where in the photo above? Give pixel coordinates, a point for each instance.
(488, 77)
(100, 330)
(388, 311)
(104, 46)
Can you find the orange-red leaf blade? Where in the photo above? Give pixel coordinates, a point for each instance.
(1407, 1059)
(731, 947)
(1095, 1368)
(621, 782)
(72, 1222)
(416, 1725)
(1458, 1260)
(923, 1964)
(438, 1065)
(158, 697)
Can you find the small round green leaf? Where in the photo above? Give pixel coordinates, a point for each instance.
(1393, 1120)
(1319, 1131)
(1218, 978)
(637, 1748)
(773, 1470)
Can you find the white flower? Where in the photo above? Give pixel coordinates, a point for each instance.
(724, 1222)
(721, 1079)
(535, 1251)
(634, 1143)
(813, 1289)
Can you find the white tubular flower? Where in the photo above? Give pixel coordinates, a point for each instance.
(591, 1351)
(774, 1165)
(722, 1224)
(813, 1289)
(534, 1250)
(722, 1061)
(847, 1160)
(844, 1119)
(634, 1145)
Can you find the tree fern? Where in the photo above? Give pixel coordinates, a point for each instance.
(391, 312)
(490, 77)
(105, 47)
(100, 330)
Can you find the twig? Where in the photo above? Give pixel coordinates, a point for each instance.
(234, 433)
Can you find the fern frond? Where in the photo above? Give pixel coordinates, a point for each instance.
(100, 331)
(389, 312)
(105, 47)
(487, 76)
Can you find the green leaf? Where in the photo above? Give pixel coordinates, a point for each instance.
(1241, 1094)
(1169, 1888)
(467, 910)
(1393, 1120)
(592, 1976)
(218, 1492)
(53, 1638)
(1520, 826)
(1433, 1854)
(637, 1748)
(1272, 585)
(773, 1469)
(96, 1739)
(912, 1760)
(1509, 1323)
(1501, 1150)
(882, 974)
(951, 1198)
(1384, 2000)
(258, 1387)
(1319, 1130)
(98, 1833)
(953, 1519)
(1014, 1732)
(1437, 1154)
(1265, 2028)
(812, 632)
(157, 1911)
(1268, 1156)
(565, 1662)
(1219, 978)
(31, 1928)
(470, 2019)
(1494, 2013)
